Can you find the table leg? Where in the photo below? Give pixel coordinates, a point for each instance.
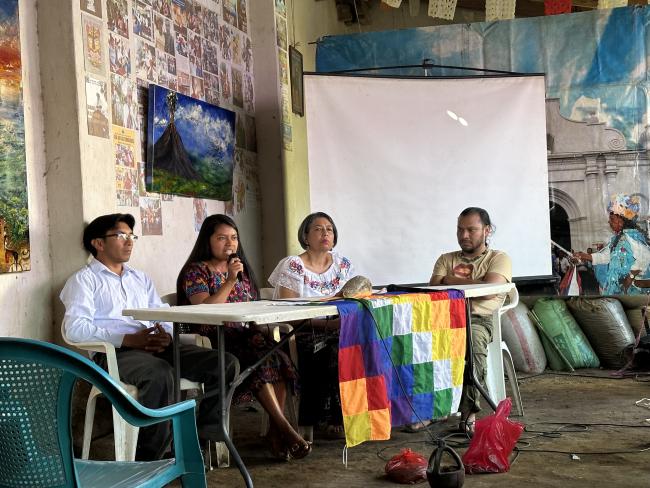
(223, 408)
(470, 374)
(176, 352)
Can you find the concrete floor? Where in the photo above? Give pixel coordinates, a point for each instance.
(549, 398)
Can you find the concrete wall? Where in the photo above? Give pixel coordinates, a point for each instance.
(71, 178)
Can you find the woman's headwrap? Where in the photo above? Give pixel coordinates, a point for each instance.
(626, 206)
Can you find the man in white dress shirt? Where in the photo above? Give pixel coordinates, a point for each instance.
(94, 298)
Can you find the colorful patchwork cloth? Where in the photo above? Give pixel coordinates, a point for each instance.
(399, 353)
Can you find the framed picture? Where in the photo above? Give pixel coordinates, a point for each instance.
(295, 75)
(190, 146)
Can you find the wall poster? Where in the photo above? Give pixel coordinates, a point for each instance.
(14, 221)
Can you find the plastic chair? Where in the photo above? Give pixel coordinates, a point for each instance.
(36, 384)
(125, 435)
(499, 359)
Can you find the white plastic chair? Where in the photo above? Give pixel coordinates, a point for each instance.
(125, 434)
(499, 358)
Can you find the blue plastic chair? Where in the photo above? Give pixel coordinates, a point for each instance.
(36, 383)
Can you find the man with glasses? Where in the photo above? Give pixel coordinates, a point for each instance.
(94, 298)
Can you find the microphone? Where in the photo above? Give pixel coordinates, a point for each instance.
(232, 256)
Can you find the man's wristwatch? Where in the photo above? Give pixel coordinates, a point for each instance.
(631, 275)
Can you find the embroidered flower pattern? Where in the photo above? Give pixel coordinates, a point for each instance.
(329, 287)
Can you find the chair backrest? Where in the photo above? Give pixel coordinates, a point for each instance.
(35, 402)
(266, 293)
(170, 298)
(511, 300)
(36, 383)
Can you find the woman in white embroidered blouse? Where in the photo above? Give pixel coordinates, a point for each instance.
(319, 271)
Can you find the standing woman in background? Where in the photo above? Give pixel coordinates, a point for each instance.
(622, 266)
(212, 275)
(317, 272)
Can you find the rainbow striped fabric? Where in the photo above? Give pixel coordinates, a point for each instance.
(399, 353)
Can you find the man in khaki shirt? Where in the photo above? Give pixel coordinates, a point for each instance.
(475, 263)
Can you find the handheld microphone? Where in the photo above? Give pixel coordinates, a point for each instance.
(232, 256)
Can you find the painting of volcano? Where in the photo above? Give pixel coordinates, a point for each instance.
(190, 146)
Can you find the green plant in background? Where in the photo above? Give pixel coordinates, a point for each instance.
(14, 212)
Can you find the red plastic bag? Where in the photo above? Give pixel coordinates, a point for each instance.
(407, 467)
(494, 439)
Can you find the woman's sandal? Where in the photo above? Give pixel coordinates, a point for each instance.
(300, 450)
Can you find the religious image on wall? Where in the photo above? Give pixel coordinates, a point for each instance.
(124, 146)
(93, 42)
(200, 207)
(179, 13)
(123, 102)
(211, 25)
(118, 16)
(230, 12)
(14, 220)
(195, 17)
(281, 7)
(119, 54)
(145, 61)
(151, 216)
(96, 107)
(598, 135)
(225, 42)
(163, 7)
(92, 7)
(237, 46)
(126, 186)
(281, 32)
(142, 23)
(163, 34)
(190, 146)
(242, 16)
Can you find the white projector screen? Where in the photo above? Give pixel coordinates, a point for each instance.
(395, 160)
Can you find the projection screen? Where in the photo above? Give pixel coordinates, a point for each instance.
(395, 160)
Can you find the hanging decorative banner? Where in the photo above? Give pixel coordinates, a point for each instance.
(555, 7)
(499, 10)
(611, 3)
(393, 3)
(442, 9)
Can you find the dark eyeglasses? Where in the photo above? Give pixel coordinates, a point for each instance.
(121, 235)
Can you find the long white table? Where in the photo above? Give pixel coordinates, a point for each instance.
(473, 291)
(268, 312)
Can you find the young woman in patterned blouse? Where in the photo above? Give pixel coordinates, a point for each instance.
(210, 275)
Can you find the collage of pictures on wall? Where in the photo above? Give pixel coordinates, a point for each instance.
(282, 41)
(194, 48)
